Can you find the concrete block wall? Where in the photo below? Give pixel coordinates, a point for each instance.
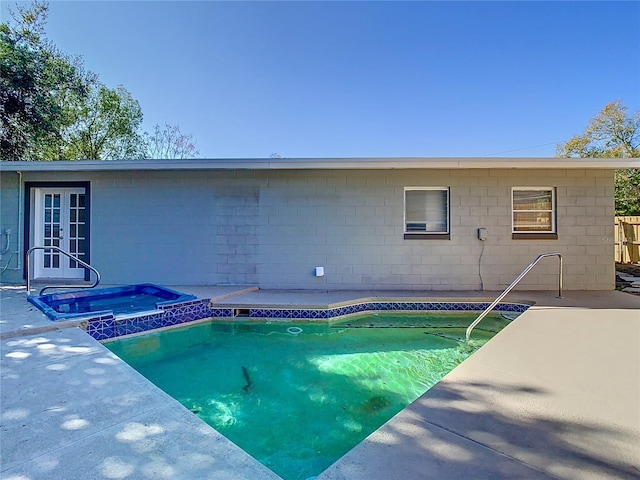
(271, 228)
(351, 222)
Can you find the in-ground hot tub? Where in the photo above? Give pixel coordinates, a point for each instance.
(126, 300)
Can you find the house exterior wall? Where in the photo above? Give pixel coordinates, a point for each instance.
(10, 261)
(272, 227)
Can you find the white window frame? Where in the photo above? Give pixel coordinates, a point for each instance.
(409, 234)
(552, 211)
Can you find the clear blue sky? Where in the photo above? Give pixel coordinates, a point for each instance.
(364, 78)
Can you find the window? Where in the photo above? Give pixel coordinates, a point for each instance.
(426, 212)
(533, 212)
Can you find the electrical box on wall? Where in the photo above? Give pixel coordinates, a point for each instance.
(319, 271)
(482, 234)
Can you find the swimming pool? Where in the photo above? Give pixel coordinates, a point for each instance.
(127, 300)
(297, 396)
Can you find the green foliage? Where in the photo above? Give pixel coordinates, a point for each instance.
(628, 191)
(612, 134)
(52, 109)
(35, 80)
(105, 127)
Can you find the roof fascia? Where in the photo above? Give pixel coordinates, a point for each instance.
(322, 164)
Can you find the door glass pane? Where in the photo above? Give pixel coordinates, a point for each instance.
(51, 229)
(77, 228)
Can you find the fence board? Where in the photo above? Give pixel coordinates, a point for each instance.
(627, 238)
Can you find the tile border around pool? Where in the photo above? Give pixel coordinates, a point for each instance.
(106, 327)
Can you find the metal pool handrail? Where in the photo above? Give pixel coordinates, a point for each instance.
(514, 283)
(58, 249)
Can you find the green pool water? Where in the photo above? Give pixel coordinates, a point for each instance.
(298, 401)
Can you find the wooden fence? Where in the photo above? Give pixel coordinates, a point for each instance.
(627, 238)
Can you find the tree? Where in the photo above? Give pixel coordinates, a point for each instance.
(35, 80)
(105, 127)
(628, 191)
(51, 108)
(169, 142)
(612, 134)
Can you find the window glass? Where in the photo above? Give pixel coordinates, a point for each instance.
(533, 210)
(532, 222)
(426, 210)
(532, 199)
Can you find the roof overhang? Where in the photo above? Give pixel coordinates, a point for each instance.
(321, 164)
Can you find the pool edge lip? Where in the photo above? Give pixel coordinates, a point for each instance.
(335, 311)
(128, 316)
(37, 300)
(361, 300)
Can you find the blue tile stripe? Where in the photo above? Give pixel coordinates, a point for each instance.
(105, 327)
(335, 312)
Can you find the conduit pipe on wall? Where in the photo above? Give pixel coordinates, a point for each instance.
(19, 231)
(6, 249)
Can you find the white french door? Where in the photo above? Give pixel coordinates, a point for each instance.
(60, 221)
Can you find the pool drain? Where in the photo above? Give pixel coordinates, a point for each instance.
(294, 330)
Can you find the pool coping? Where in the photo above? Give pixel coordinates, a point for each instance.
(412, 456)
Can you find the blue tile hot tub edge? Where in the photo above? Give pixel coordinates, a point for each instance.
(45, 302)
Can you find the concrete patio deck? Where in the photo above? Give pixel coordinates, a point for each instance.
(555, 395)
